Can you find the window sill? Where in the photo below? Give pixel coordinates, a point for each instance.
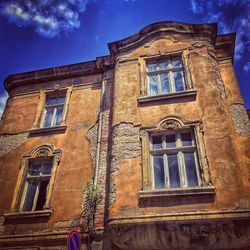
(28, 215)
(183, 94)
(160, 193)
(55, 129)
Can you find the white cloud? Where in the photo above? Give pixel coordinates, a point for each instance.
(196, 6)
(246, 68)
(3, 99)
(232, 16)
(49, 17)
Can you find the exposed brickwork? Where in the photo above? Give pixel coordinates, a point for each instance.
(103, 156)
(10, 142)
(126, 144)
(240, 119)
(68, 224)
(92, 136)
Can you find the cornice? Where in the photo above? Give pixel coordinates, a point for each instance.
(55, 73)
(225, 46)
(207, 31)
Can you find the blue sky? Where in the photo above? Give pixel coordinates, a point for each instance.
(38, 34)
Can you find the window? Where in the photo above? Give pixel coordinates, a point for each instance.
(174, 160)
(165, 76)
(36, 185)
(36, 180)
(53, 110)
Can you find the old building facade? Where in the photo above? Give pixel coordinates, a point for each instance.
(146, 148)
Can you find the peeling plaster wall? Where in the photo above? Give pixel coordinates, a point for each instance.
(68, 224)
(10, 142)
(204, 49)
(126, 144)
(198, 235)
(92, 136)
(240, 119)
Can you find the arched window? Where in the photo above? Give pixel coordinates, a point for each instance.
(36, 179)
(174, 157)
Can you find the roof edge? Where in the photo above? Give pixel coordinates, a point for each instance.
(206, 30)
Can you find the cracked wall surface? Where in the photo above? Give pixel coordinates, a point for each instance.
(10, 142)
(68, 224)
(126, 144)
(240, 119)
(206, 50)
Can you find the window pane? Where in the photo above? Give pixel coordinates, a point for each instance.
(153, 84)
(170, 141)
(30, 195)
(174, 175)
(46, 168)
(34, 170)
(48, 117)
(179, 83)
(58, 117)
(51, 100)
(191, 169)
(157, 142)
(151, 67)
(61, 99)
(159, 172)
(42, 195)
(176, 62)
(186, 139)
(165, 86)
(163, 65)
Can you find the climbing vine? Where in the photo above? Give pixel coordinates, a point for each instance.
(92, 197)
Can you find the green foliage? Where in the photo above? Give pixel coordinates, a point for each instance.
(90, 203)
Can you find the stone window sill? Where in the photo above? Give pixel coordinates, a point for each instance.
(28, 215)
(161, 193)
(56, 129)
(173, 96)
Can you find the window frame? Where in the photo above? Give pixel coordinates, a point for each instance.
(189, 92)
(40, 115)
(168, 72)
(179, 150)
(38, 179)
(171, 125)
(43, 153)
(53, 107)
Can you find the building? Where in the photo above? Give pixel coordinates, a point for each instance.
(160, 127)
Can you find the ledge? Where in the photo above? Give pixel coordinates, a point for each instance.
(169, 97)
(176, 192)
(193, 229)
(55, 129)
(28, 215)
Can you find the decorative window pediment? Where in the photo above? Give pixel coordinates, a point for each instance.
(174, 157)
(36, 179)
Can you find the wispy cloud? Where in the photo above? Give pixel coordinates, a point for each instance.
(246, 68)
(48, 17)
(232, 16)
(3, 99)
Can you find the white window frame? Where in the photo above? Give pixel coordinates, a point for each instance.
(54, 107)
(169, 72)
(38, 179)
(179, 151)
(41, 111)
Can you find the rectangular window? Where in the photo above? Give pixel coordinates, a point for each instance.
(174, 160)
(36, 184)
(53, 110)
(165, 76)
